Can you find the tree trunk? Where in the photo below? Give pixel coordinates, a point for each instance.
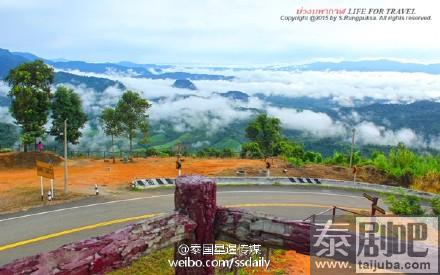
(113, 150)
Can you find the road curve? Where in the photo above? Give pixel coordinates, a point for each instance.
(46, 228)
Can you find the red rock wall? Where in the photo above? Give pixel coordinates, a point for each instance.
(242, 226)
(195, 196)
(197, 220)
(105, 253)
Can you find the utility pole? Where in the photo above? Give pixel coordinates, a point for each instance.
(65, 156)
(352, 148)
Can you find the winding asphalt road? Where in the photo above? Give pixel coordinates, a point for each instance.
(46, 228)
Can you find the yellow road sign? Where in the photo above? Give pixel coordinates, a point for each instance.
(45, 170)
(354, 170)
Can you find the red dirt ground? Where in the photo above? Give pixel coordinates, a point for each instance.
(85, 173)
(18, 176)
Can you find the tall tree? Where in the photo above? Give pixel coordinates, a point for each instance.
(67, 105)
(109, 120)
(30, 98)
(132, 110)
(266, 132)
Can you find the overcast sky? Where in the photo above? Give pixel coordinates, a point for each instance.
(211, 31)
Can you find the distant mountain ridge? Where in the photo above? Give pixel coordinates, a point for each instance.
(9, 60)
(138, 71)
(382, 65)
(155, 71)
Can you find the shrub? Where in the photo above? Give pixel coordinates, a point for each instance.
(151, 152)
(429, 183)
(227, 153)
(312, 157)
(251, 150)
(295, 161)
(435, 204)
(338, 158)
(288, 149)
(405, 205)
(209, 152)
(380, 161)
(5, 150)
(163, 154)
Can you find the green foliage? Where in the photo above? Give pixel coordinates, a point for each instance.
(109, 121)
(251, 150)
(288, 148)
(312, 157)
(295, 161)
(214, 152)
(339, 158)
(405, 205)
(435, 204)
(67, 105)
(151, 152)
(227, 153)
(30, 97)
(27, 138)
(163, 154)
(208, 152)
(131, 110)
(403, 163)
(380, 161)
(266, 132)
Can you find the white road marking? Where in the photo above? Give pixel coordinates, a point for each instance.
(84, 206)
(169, 195)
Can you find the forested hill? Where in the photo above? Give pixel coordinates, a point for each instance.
(421, 116)
(10, 60)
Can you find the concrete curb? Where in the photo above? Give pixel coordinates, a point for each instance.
(291, 181)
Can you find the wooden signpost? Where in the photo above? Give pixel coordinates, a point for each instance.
(378, 209)
(374, 206)
(45, 170)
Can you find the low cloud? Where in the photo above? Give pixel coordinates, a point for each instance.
(4, 89)
(191, 113)
(5, 115)
(313, 123)
(205, 110)
(370, 133)
(344, 88)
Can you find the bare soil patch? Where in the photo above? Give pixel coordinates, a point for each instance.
(19, 184)
(27, 160)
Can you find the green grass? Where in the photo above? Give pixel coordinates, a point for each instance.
(157, 263)
(154, 263)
